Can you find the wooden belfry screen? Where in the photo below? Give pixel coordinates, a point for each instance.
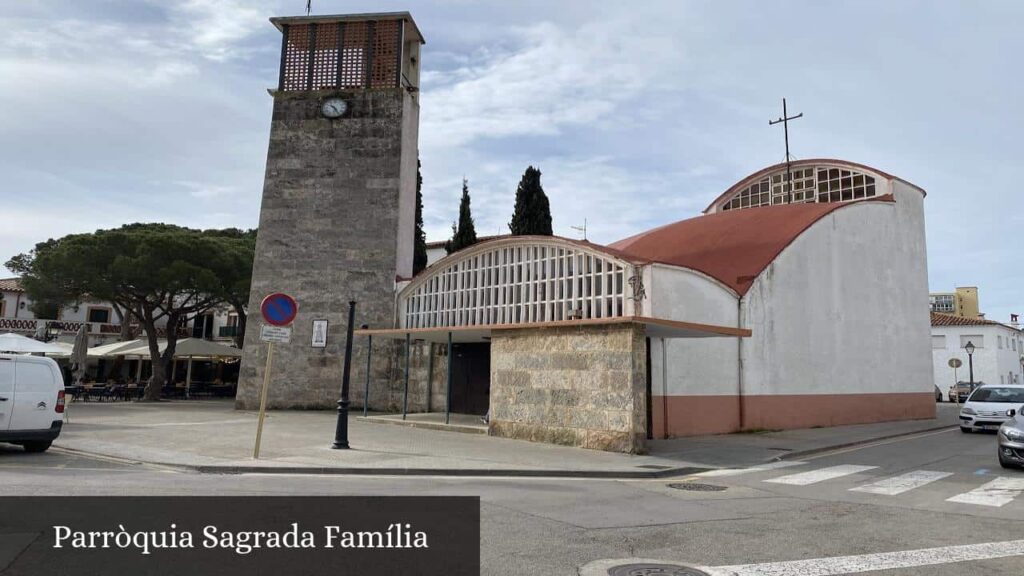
(324, 55)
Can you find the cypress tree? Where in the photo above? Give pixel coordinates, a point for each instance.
(532, 213)
(463, 234)
(419, 251)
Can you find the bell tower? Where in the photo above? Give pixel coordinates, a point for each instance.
(337, 217)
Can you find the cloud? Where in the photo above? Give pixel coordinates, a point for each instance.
(217, 28)
(550, 80)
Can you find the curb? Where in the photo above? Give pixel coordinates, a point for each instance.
(824, 449)
(451, 472)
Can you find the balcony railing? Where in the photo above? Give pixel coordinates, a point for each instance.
(31, 325)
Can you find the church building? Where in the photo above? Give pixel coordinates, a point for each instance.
(779, 307)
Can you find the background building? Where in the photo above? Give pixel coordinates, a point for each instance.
(963, 302)
(100, 318)
(998, 354)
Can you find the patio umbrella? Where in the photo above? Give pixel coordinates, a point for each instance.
(79, 354)
(118, 348)
(19, 344)
(65, 350)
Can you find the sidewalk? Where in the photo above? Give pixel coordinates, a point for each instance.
(210, 436)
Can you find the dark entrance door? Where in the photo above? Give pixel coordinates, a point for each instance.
(471, 378)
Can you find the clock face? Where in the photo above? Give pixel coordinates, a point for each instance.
(333, 107)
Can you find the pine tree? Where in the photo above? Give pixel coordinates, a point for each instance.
(463, 234)
(419, 251)
(532, 213)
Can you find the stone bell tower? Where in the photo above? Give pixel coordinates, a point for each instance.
(337, 218)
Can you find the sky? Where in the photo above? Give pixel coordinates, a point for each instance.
(637, 113)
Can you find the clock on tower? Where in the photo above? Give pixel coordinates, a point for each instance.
(337, 216)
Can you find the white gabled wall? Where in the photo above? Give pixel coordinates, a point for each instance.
(844, 308)
(696, 366)
(990, 361)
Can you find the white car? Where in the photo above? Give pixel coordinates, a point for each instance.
(987, 407)
(31, 401)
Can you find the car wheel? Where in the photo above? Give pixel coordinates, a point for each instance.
(1005, 463)
(965, 430)
(37, 446)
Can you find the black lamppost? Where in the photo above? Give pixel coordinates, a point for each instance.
(341, 429)
(969, 348)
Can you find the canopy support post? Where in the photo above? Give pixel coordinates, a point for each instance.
(188, 379)
(448, 385)
(405, 398)
(366, 392)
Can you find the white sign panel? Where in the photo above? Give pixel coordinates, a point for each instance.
(319, 333)
(277, 334)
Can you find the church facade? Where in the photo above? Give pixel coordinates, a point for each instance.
(779, 307)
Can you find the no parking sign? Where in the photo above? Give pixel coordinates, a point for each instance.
(279, 311)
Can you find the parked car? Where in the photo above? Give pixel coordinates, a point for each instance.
(988, 406)
(1011, 440)
(31, 401)
(938, 394)
(960, 391)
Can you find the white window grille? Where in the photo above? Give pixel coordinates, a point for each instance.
(518, 284)
(810, 184)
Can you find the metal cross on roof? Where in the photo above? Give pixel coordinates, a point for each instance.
(785, 127)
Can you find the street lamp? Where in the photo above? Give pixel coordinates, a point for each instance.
(969, 348)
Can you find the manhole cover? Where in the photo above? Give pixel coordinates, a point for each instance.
(654, 570)
(695, 487)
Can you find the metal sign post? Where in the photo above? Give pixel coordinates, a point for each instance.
(279, 310)
(955, 363)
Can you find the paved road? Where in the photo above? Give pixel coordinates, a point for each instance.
(763, 517)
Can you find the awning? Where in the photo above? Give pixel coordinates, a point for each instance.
(117, 349)
(654, 328)
(19, 344)
(188, 347)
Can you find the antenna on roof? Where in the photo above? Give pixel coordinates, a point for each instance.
(785, 126)
(309, 6)
(582, 229)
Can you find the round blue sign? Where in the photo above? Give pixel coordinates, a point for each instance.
(279, 309)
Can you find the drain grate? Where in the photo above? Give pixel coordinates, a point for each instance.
(695, 487)
(654, 570)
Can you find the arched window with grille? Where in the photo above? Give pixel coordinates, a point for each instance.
(518, 281)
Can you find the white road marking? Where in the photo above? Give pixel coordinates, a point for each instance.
(820, 475)
(872, 562)
(998, 492)
(900, 484)
(737, 471)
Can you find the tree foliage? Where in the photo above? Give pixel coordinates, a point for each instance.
(419, 252)
(532, 214)
(158, 274)
(463, 233)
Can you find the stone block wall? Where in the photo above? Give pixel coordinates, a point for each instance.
(582, 386)
(335, 198)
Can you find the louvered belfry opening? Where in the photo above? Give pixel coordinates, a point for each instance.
(341, 55)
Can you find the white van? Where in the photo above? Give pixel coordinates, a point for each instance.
(31, 401)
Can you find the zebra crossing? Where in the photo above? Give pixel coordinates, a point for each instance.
(993, 492)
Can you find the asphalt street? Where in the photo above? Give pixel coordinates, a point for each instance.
(900, 496)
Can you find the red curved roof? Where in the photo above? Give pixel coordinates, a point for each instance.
(734, 246)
